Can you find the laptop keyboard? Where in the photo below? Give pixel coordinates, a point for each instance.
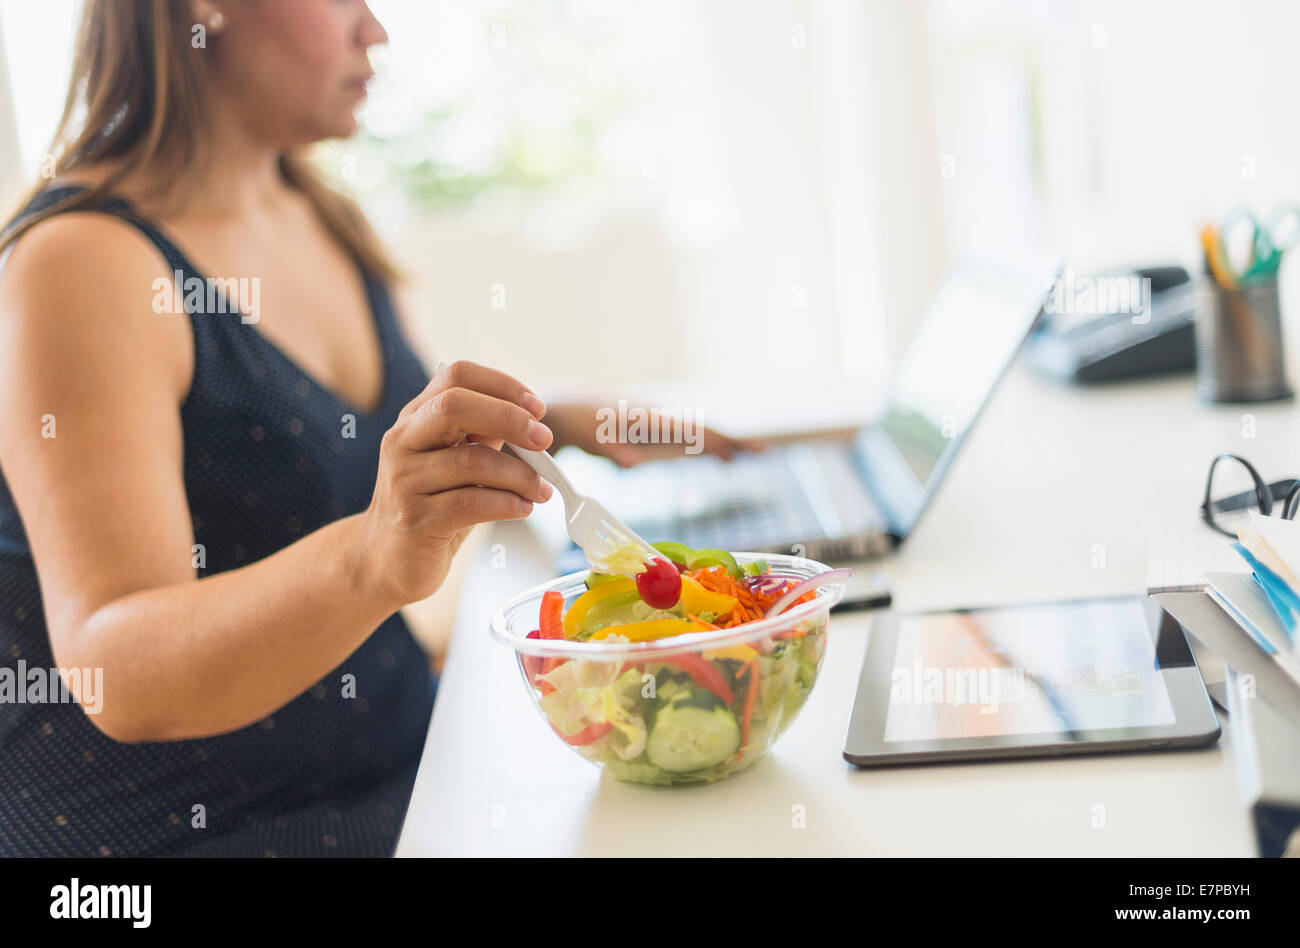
(756, 501)
(744, 518)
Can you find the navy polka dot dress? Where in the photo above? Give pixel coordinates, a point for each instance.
(267, 459)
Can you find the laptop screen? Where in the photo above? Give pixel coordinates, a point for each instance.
(975, 325)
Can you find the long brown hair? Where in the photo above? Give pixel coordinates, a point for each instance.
(137, 100)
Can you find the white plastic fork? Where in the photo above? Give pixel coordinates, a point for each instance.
(598, 532)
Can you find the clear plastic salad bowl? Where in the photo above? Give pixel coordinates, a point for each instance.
(691, 709)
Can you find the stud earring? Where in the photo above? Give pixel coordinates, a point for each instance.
(216, 20)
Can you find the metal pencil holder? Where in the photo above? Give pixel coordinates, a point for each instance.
(1239, 342)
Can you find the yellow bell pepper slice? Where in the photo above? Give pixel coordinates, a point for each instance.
(645, 631)
(741, 653)
(582, 605)
(696, 599)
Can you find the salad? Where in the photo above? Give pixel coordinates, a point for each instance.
(690, 716)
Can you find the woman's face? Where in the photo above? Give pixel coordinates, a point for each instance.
(296, 70)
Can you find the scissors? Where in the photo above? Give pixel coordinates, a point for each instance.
(1265, 243)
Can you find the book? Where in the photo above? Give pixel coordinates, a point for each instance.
(1243, 598)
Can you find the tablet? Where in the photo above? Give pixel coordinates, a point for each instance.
(1051, 678)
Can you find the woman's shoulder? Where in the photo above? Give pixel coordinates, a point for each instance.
(79, 246)
(89, 276)
(104, 236)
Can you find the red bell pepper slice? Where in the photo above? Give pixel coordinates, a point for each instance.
(701, 671)
(551, 621)
(588, 734)
(551, 625)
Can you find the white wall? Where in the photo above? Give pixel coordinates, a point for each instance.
(11, 171)
(37, 49)
(1191, 95)
(1148, 118)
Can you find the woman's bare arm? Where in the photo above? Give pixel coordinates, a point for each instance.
(104, 506)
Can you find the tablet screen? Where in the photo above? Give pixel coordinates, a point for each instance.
(1034, 669)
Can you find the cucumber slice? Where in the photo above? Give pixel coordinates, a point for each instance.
(702, 559)
(676, 552)
(668, 685)
(692, 731)
(595, 579)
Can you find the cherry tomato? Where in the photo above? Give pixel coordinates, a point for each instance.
(660, 585)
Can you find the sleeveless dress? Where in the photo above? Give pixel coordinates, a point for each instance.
(267, 460)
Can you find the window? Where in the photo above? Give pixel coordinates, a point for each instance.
(684, 190)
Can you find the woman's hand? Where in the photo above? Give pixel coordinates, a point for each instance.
(441, 472)
(582, 425)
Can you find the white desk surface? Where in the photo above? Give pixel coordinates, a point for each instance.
(1050, 476)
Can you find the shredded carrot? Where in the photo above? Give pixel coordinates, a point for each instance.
(707, 625)
(750, 606)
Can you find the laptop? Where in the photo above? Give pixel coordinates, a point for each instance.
(858, 497)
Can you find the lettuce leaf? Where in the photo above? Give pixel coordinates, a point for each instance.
(579, 696)
(623, 706)
(589, 693)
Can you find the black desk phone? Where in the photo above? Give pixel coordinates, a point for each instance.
(1091, 330)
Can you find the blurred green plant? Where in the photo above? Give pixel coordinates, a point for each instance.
(525, 159)
(525, 96)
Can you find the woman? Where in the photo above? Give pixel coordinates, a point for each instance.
(220, 507)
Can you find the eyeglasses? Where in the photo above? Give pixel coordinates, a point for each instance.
(1227, 506)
